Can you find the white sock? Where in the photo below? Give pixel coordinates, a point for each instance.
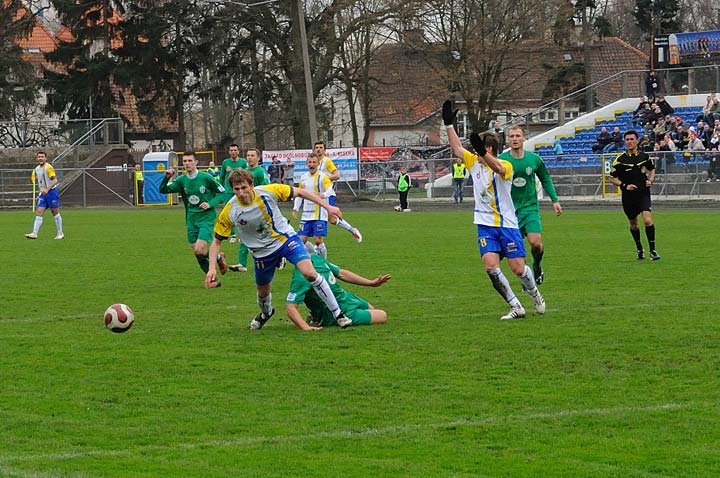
(36, 225)
(322, 250)
(265, 304)
(322, 289)
(58, 223)
(345, 225)
(501, 284)
(528, 281)
(310, 248)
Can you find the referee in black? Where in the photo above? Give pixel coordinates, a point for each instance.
(633, 172)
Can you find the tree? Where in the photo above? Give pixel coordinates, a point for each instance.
(82, 71)
(18, 83)
(657, 16)
(480, 49)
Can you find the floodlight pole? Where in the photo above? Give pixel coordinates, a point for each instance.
(309, 97)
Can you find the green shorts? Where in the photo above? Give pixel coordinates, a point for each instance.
(200, 227)
(529, 222)
(354, 308)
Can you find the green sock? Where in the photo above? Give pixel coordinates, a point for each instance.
(204, 262)
(242, 255)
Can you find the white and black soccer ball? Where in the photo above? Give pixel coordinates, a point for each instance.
(119, 318)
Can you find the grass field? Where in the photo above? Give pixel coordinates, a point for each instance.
(618, 379)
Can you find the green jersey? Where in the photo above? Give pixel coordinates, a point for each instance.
(525, 169)
(195, 190)
(259, 176)
(302, 291)
(227, 167)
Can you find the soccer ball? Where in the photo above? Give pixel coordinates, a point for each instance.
(119, 318)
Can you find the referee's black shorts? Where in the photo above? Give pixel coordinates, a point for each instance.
(635, 202)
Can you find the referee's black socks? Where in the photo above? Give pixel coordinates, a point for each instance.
(636, 237)
(650, 233)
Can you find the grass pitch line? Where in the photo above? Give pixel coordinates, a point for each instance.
(367, 432)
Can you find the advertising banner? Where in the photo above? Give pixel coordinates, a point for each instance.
(345, 159)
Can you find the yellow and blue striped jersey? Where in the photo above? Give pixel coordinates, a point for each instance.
(327, 166)
(315, 183)
(493, 193)
(43, 174)
(260, 225)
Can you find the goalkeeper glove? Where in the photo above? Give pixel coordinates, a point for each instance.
(448, 114)
(478, 144)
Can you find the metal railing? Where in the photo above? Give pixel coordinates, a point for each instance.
(45, 133)
(624, 84)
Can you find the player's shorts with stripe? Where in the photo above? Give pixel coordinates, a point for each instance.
(51, 200)
(200, 227)
(529, 222)
(502, 240)
(293, 250)
(635, 202)
(313, 228)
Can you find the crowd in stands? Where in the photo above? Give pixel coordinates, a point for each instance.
(664, 133)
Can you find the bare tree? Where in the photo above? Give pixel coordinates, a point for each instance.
(479, 48)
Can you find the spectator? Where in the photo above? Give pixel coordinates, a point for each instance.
(667, 143)
(705, 135)
(213, 171)
(695, 144)
(641, 113)
(603, 140)
(715, 140)
(275, 171)
(681, 137)
(713, 113)
(289, 172)
(557, 147)
(616, 140)
(659, 130)
(664, 106)
(671, 123)
(652, 85)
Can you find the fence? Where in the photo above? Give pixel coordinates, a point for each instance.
(678, 175)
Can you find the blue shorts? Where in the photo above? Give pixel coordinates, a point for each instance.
(332, 200)
(293, 250)
(51, 200)
(502, 240)
(313, 229)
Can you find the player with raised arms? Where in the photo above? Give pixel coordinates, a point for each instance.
(260, 225)
(497, 225)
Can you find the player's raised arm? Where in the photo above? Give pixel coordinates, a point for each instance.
(448, 115)
(492, 162)
(332, 210)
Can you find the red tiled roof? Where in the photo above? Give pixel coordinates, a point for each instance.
(412, 84)
(41, 38)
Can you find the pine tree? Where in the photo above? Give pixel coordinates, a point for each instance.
(18, 84)
(82, 75)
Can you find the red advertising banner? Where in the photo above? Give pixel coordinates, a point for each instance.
(376, 154)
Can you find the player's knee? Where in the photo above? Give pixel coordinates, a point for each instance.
(378, 316)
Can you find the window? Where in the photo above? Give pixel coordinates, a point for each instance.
(463, 125)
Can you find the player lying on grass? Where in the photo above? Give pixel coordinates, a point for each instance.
(497, 225)
(269, 236)
(200, 194)
(354, 307)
